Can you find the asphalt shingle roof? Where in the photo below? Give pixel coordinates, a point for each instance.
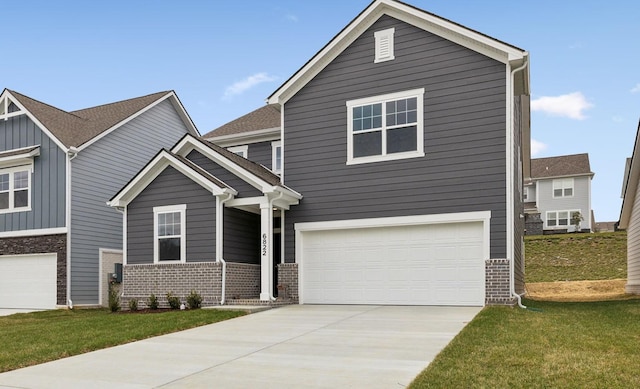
(565, 165)
(78, 127)
(262, 118)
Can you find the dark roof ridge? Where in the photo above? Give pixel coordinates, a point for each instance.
(121, 101)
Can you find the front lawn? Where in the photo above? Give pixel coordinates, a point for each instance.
(32, 338)
(567, 345)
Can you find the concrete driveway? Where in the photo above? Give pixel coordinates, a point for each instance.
(296, 346)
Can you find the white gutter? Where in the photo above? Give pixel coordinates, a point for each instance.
(220, 240)
(71, 153)
(510, 220)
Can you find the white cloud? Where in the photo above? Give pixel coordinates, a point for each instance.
(248, 83)
(635, 89)
(537, 147)
(571, 105)
(291, 18)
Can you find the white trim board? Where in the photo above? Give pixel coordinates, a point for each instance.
(38, 232)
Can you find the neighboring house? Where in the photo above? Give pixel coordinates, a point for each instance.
(559, 189)
(400, 150)
(630, 216)
(57, 170)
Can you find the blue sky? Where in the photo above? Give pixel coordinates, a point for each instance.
(223, 58)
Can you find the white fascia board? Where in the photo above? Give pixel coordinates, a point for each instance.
(428, 22)
(265, 135)
(21, 158)
(153, 170)
(565, 176)
(441, 218)
(122, 122)
(39, 232)
(630, 191)
(41, 126)
(189, 143)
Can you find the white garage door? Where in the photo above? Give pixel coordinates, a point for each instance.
(28, 281)
(429, 264)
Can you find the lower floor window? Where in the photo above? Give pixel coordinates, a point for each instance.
(170, 233)
(560, 218)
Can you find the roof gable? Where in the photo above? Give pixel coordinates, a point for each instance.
(447, 29)
(82, 127)
(561, 166)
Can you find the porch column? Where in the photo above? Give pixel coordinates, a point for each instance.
(266, 252)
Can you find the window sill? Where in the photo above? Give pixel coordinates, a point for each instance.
(15, 210)
(388, 157)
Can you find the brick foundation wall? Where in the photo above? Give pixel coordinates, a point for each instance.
(243, 281)
(42, 244)
(288, 276)
(140, 281)
(497, 291)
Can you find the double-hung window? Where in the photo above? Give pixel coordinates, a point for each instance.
(15, 189)
(276, 157)
(387, 127)
(169, 233)
(563, 187)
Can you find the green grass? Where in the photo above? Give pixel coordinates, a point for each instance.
(32, 338)
(567, 345)
(576, 257)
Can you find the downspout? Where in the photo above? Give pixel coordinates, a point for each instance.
(271, 201)
(122, 211)
(72, 153)
(512, 282)
(219, 242)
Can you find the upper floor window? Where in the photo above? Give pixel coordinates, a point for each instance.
(384, 45)
(15, 189)
(242, 151)
(169, 233)
(276, 157)
(563, 187)
(387, 127)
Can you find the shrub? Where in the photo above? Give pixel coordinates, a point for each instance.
(194, 300)
(174, 301)
(153, 302)
(114, 298)
(133, 305)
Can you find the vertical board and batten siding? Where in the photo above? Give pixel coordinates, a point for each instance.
(261, 153)
(237, 183)
(99, 172)
(633, 243)
(172, 188)
(48, 181)
(464, 136)
(241, 236)
(580, 200)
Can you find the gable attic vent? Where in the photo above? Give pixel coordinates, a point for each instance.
(384, 45)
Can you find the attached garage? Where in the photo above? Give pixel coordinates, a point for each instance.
(418, 260)
(28, 281)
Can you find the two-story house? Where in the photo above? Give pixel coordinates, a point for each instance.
(559, 194)
(387, 170)
(58, 238)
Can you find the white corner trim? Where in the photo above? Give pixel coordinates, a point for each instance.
(38, 232)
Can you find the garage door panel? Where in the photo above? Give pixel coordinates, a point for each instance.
(28, 281)
(438, 264)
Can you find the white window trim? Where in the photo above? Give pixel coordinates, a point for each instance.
(384, 45)
(243, 151)
(557, 226)
(11, 171)
(419, 94)
(560, 184)
(183, 230)
(274, 146)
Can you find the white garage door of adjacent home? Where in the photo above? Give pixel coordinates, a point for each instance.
(28, 281)
(427, 264)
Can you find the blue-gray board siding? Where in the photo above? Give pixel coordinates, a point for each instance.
(48, 179)
(172, 188)
(99, 172)
(464, 136)
(261, 153)
(241, 236)
(244, 189)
